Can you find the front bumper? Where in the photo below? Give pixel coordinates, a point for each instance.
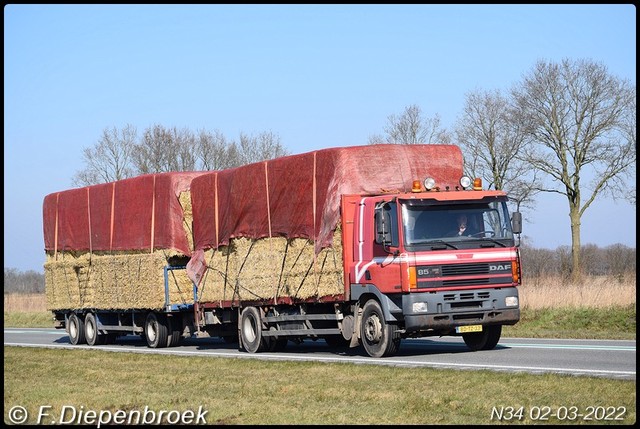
(448, 309)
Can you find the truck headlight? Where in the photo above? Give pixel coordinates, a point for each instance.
(419, 307)
(511, 301)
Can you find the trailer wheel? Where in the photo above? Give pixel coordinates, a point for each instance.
(175, 331)
(156, 330)
(76, 330)
(91, 330)
(485, 340)
(251, 330)
(378, 337)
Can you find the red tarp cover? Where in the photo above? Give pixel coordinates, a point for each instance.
(129, 214)
(299, 195)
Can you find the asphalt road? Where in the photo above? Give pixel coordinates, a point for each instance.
(593, 358)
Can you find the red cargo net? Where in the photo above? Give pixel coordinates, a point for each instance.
(141, 213)
(298, 196)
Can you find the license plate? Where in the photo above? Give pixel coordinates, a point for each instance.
(469, 328)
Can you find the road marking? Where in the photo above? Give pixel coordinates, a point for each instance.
(571, 347)
(341, 359)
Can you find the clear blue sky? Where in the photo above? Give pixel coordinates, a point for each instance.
(316, 75)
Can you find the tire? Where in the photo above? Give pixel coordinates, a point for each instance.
(251, 331)
(156, 330)
(91, 330)
(76, 330)
(379, 339)
(485, 340)
(175, 331)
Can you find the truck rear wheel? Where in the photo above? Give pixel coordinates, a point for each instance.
(378, 337)
(76, 330)
(175, 331)
(251, 330)
(91, 333)
(156, 330)
(485, 340)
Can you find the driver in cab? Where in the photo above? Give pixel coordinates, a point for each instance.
(463, 227)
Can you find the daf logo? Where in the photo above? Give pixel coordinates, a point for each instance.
(500, 267)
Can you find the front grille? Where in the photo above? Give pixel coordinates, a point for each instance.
(466, 282)
(459, 275)
(464, 269)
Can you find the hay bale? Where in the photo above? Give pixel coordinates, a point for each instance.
(118, 280)
(114, 281)
(271, 268)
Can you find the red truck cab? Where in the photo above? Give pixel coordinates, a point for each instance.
(407, 250)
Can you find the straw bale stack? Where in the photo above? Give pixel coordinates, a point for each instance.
(113, 281)
(271, 268)
(118, 280)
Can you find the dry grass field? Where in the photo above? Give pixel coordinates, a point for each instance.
(25, 302)
(593, 292)
(535, 293)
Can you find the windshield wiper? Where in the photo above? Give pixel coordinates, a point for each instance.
(492, 241)
(435, 243)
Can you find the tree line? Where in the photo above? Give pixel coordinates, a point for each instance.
(121, 154)
(616, 261)
(566, 127)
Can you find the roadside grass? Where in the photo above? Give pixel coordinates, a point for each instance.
(258, 392)
(30, 319)
(613, 323)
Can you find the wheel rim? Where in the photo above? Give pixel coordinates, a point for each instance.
(249, 329)
(91, 329)
(73, 328)
(373, 329)
(152, 331)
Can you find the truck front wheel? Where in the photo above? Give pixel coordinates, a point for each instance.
(485, 340)
(76, 330)
(378, 337)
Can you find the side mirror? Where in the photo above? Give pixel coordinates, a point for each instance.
(516, 222)
(382, 220)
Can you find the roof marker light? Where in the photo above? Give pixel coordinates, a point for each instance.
(429, 183)
(477, 184)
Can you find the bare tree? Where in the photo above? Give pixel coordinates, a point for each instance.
(265, 145)
(491, 139)
(16, 281)
(118, 155)
(185, 150)
(212, 151)
(628, 129)
(110, 159)
(573, 112)
(163, 150)
(412, 128)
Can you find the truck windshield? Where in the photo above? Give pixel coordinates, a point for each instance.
(426, 224)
